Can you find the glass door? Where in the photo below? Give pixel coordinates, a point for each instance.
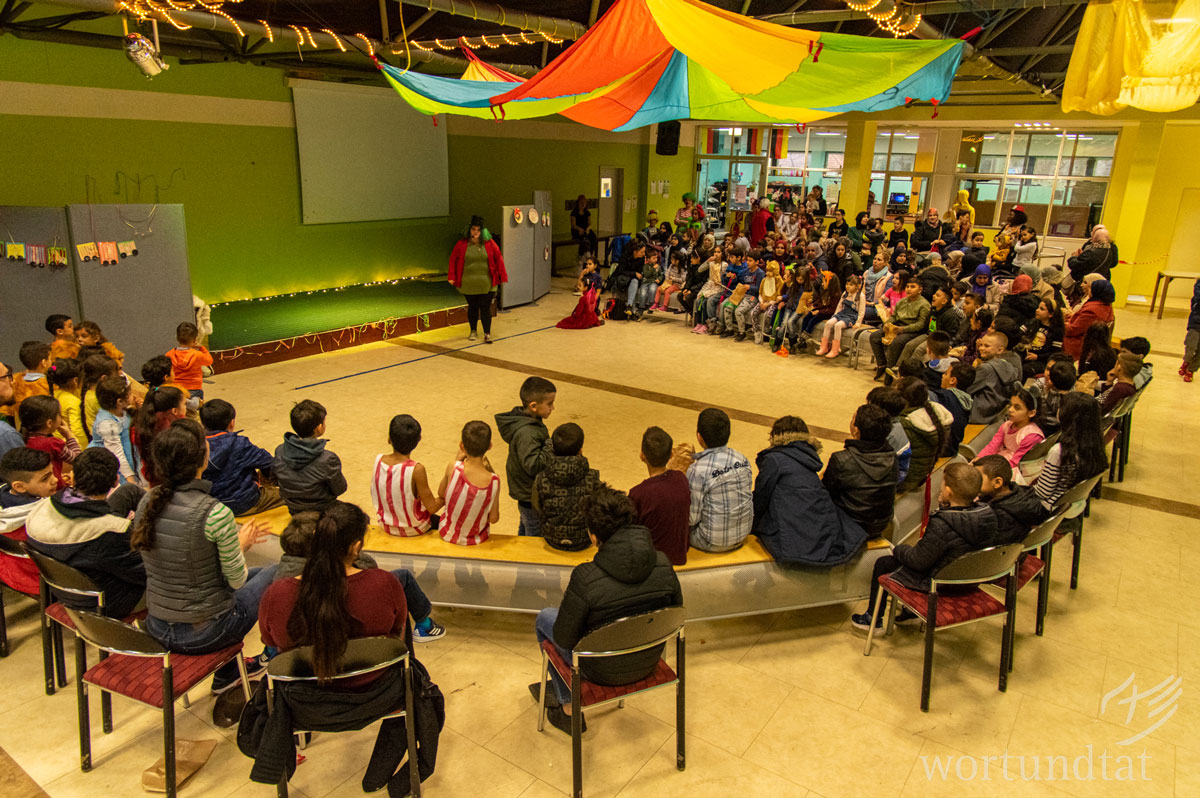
(713, 191)
(745, 183)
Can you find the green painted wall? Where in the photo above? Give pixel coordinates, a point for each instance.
(240, 185)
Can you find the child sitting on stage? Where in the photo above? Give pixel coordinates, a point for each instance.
(470, 489)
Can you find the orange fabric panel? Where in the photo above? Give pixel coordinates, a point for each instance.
(616, 107)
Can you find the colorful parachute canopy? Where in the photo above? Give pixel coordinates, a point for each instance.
(478, 69)
(652, 61)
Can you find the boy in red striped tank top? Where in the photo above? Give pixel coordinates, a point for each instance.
(470, 489)
(404, 503)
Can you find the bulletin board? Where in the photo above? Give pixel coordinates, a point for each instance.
(32, 292)
(139, 299)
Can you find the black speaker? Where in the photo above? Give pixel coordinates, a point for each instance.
(668, 138)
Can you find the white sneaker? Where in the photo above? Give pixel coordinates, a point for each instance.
(472, 337)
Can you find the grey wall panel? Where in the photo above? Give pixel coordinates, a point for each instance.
(28, 295)
(516, 245)
(140, 300)
(541, 245)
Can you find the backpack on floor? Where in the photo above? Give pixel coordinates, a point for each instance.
(614, 309)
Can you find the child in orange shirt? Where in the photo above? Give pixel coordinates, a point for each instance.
(189, 358)
(87, 333)
(63, 329)
(35, 356)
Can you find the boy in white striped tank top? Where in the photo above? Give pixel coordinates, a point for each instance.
(470, 489)
(404, 504)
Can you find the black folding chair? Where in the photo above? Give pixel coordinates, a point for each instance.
(1081, 492)
(1032, 566)
(623, 636)
(363, 655)
(141, 669)
(53, 662)
(939, 611)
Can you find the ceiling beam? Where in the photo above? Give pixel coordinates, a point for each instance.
(925, 30)
(746, 7)
(802, 18)
(488, 12)
(421, 20)
(991, 33)
(1032, 49)
(593, 12)
(1047, 39)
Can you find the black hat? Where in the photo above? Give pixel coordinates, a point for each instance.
(476, 221)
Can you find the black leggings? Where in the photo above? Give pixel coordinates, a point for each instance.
(480, 306)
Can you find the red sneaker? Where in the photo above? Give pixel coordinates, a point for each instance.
(1187, 376)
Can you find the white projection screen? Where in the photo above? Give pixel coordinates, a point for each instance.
(366, 155)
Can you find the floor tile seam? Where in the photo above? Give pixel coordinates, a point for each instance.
(657, 397)
(768, 767)
(1147, 502)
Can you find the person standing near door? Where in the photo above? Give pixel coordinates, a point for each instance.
(581, 228)
(477, 270)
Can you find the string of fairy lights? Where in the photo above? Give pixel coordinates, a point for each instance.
(898, 20)
(143, 10)
(331, 289)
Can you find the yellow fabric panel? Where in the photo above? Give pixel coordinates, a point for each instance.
(1139, 53)
(746, 54)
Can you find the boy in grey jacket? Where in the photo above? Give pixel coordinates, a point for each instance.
(529, 449)
(309, 475)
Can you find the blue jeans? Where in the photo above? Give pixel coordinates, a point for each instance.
(631, 292)
(220, 632)
(531, 522)
(645, 295)
(545, 631)
(418, 603)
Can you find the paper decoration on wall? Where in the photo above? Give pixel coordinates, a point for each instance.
(108, 253)
(518, 216)
(35, 255)
(87, 252)
(546, 218)
(14, 251)
(57, 256)
(533, 216)
(546, 253)
(127, 248)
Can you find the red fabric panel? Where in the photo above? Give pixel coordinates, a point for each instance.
(615, 108)
(951, 609)
(625, 39)
(593, 693)
(140, 678)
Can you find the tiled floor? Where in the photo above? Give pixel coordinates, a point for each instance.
(781, 704)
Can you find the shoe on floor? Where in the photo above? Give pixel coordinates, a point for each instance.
(1187, 377)
(739, 337)
(255, 666)
(472, 337)
(554, 713)
(487, 339)
(905, 615)
(880, 374)
(428, 630)
(863, 621)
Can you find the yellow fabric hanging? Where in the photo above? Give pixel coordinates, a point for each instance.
(1139, 53)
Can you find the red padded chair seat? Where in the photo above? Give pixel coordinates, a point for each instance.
(58, 613)
(140, 678)
(1029, 568)
(951, 609)
(595, 693)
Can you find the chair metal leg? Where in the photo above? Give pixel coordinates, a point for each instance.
(245, 677)
(410, 725)
(168, 689)
(3, 627)
(576, 734)
(680, 694)
(106, 715)
(927, 668)
(545, 675)
(880, 597)
(1009, 641)
(1043, 602)
(47, 639)
(60, 659)
(1076, 542)
(81, 704)
(621, 704)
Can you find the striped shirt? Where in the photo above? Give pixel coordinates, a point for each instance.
(468, 508)
(397, 506)
(1055, 479)
(222, 531)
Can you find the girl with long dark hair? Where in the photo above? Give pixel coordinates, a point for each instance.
(1079, 453)
(160, 409)
(200, 595)
(927, 425)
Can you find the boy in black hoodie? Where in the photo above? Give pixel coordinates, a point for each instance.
(954, 396)
(309, 476)
(558, 491)
(862, 478)
(1018, 509)
(529, 448)
(959, 526)
(86, 528)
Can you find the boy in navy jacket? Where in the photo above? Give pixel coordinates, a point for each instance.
(234, 463)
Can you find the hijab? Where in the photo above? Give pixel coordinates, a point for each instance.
(985, 271)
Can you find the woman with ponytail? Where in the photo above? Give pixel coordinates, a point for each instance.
(927, 425)
(333, 600)
(161, 408)
(200, 595)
